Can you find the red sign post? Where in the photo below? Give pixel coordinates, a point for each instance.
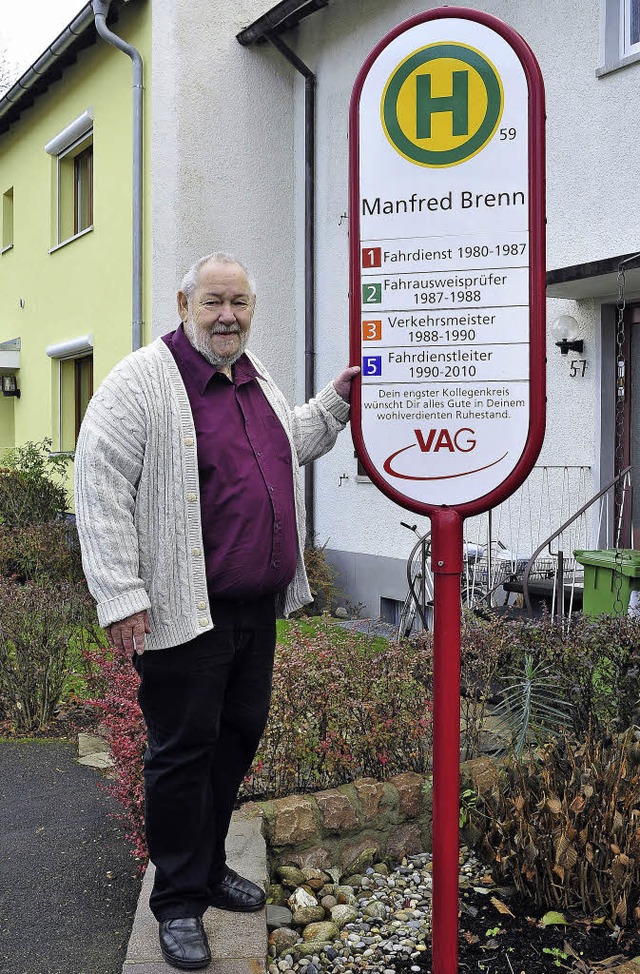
(447, 318)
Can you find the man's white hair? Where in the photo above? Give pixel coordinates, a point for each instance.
(191, 279)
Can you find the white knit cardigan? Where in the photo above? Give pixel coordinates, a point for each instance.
(138, 499)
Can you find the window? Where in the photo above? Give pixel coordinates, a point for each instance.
(72, 158)
(361, 473)
(620, 34)
(83, 190)
(75, 190)
(7, 220)
(73, 388)
(630, 27)
(76, 389)
(83, 389)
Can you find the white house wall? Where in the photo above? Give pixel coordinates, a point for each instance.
(593, 153)
(223, 165)
(228, 173)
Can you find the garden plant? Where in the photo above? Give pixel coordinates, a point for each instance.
(562, 825)
(47, 619)
(558, 711)
(344, 706)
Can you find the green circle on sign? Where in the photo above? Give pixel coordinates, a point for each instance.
(453, 156)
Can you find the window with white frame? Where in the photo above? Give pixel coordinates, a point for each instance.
(72, 154)
(620, 35)
(73, 383)
(7, 220)
(630, 27)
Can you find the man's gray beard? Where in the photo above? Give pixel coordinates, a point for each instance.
(201, 341)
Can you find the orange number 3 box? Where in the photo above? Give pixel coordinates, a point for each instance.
(372, 330)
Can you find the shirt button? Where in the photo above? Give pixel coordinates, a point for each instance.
(271, 489)
(202, 605)
(192, 497)
(196, 552)
(188, 441)
(203, 621)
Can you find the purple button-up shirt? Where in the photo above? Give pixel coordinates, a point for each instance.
(246, 481)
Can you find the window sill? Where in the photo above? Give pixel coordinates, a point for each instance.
(623, 62)
(63, 243)
(69, 454)
(5, 249)
(361, 479)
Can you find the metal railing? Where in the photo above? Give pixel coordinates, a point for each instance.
(604, 495)
(505, 537)
(511, 549)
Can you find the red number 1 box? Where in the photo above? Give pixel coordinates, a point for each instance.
(372, 256)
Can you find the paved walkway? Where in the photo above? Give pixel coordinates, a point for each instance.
(71, 900)
(238, 941)
(68, 885)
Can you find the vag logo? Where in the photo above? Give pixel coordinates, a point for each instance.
(462, 440)
(442, 104)
(435, 441)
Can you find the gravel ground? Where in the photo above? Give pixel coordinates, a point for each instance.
(384, 922)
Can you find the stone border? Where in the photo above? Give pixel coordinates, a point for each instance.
(353, 826)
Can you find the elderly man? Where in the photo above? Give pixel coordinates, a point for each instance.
(191, 521)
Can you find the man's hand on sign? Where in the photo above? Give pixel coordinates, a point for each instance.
(127, 635)
(342, 382)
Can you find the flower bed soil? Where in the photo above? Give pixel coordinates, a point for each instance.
(500, 943)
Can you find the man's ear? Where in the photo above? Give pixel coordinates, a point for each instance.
(183, 305)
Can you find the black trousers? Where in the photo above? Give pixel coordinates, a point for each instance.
(205, 704)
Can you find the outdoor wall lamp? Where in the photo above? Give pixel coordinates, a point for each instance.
(10, 386)
(564, 329)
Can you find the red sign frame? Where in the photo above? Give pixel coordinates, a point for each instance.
(537, 282)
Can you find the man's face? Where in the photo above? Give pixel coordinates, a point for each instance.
(219, 319)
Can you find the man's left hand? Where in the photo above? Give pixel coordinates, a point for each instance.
(342, 382)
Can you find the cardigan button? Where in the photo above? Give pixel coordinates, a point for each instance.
(203, 621)
(188, 441)
(192, 497)
(196, 552)
(202, 605)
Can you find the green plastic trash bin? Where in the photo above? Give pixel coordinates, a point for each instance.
(600, 583)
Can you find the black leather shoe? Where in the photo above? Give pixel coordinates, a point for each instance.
(237, 894)
(184, 943)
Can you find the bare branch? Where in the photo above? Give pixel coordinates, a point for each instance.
(9, 72)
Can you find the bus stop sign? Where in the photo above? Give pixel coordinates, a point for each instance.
(447, 261)
(446, 223)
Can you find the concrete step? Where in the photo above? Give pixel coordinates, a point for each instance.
(238, 941)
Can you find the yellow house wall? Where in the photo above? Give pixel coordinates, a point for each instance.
(84, 287)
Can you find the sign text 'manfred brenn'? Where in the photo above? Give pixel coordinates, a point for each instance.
(465, 199)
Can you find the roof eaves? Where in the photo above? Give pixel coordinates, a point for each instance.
(283, 16)
(62, 51)
(594, 279)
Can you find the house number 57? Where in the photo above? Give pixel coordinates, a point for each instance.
(578, 367)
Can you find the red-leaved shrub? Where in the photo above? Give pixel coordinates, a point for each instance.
(115, 686)
(344, 706)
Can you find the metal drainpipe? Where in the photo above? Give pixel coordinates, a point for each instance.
(100, 11)
(309, 253)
